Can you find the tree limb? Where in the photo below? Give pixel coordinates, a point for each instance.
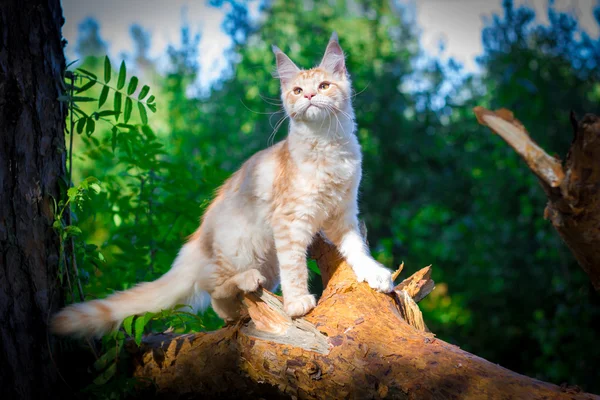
(572, 188)
(371, 352)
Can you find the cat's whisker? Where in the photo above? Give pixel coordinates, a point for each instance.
(271, 138)
(357, 93)
(259, 112)
(269, 98)
(343, 112)
(341, 126)
(332, 112)
(338, 120)
(322, 122)
(272, 101)
(329, 115)
(271, 119)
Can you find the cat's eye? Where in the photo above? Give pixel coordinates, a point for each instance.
(324, 86)
(297, 91)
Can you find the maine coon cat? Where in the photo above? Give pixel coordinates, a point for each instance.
(258, 227)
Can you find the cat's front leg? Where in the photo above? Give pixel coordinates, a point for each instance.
(343, 231)
(292, 238)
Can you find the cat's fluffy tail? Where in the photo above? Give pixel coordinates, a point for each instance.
(178, 286)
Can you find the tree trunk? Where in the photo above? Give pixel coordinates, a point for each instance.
(354, 344)
(573, 188)
(32, 158)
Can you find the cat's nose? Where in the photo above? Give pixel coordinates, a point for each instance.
(309, 95)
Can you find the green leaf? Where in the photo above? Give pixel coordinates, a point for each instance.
(106, 375)
(71, 63)
(312, 265)
(86, 86)
(65, 98)
(73, 230)
(82, 99)
(107, 69)
(125, 143)
(148, 132)
(72, 193)
(143, 92)
(103, 96)
(81, 125)
(106, 358)
(128, 108)
(122, 76)
(150, 99)
(88, 73)
(117, 104)
(127, 126)
(152, 107)
(132, 85)
(143, 113)
(78, 110)
(139, 330)
(128, 325)
(96, 188)
(90, 127)
(140, 324)
(107, 113)
(115, 131)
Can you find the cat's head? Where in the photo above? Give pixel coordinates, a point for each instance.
(315, 94)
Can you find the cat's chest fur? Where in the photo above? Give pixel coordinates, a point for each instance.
(326, 173)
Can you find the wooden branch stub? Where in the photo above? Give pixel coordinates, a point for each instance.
(410, 311)
(418, 285)
(270, 322)
(266, 312)
(502, 122)
(397, 273)
(409, 292)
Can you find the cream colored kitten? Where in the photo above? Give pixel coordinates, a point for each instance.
(257, 229)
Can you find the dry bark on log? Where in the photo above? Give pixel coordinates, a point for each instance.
(355, 344)
(572, 187)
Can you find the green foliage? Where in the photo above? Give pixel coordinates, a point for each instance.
(437, 188)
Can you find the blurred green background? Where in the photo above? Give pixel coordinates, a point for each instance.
(438, 188)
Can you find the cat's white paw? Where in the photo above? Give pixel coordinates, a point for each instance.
(299, 306)
(377, 276)
(251, 281)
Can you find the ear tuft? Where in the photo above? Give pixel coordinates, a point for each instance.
(334, 60)
(286, 69)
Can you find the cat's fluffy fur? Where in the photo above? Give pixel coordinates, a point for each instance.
(258, 227)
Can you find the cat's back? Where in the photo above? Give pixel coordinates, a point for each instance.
(252, 184)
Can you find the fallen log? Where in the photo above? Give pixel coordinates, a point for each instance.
(572, 187)
(354, 344)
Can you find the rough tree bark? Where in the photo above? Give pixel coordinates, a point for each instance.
(354, 344)
(572, 187)
(31, 162)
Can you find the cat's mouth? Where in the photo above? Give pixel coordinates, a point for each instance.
(313, 105)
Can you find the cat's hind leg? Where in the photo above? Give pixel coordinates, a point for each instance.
(244, 282)
(224, 297)
(227, 308)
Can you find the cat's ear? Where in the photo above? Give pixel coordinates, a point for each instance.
(286, 69)
(334, 60)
